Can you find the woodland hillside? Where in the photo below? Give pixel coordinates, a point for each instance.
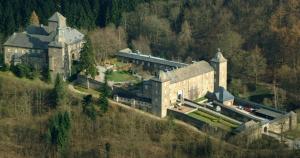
(259, 37)
(117, 133)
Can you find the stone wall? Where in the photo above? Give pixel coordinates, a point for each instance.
(282, 124)
(56, 61)
(135, 103)
(165, 94)
(193, 88)
(34, 57)
(93, 84)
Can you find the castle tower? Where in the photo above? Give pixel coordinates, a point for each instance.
(219, 63)
(160, 94)
(56, 21)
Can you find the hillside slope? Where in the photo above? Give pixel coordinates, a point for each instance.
(25, 110)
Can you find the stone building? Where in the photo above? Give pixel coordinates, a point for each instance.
(191, 82)
(54, 46)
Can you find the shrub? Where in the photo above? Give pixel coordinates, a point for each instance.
(88, 107)
(21, 70)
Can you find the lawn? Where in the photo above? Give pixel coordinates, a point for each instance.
(200, 99)
(120, 76)
(89, 91)
(213, 120)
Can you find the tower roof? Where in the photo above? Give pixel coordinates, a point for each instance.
(218, 57)
(56, 17)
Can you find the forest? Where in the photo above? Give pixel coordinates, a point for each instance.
(260, 38)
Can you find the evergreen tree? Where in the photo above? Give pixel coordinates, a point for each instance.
(34, 19)
(88, 107)
(87, 59)
(105, 92)
(59, 92)
(58, 133)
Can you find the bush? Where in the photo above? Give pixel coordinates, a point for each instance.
(21, 70)
(5, 67)
(88, 107)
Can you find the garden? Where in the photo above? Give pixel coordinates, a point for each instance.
(121, 76)
(213, 120)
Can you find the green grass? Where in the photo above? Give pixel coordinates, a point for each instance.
(200, 99)
(120, 76)
(213, 120)
(90, 91)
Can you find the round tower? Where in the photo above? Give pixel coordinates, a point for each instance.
(219, 63)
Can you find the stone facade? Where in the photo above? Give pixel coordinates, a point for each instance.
(219, 63)
(190, 82)
(54, 46)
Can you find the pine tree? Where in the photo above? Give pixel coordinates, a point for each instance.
(87, 59)
(34, 19)
(59, 92)
(59, 131)
(105, 92)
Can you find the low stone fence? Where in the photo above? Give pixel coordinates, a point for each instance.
(284, 123)
(135, 103)
(93, 84)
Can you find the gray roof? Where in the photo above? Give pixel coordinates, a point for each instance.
(268, 112)
(186, 72)
(26, 40)
(129, 54)
(218, 57)
(56, 17)
(39, 30)
(71, 35)
(223, 95)
(38, 37)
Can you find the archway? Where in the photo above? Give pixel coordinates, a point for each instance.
(265, 129)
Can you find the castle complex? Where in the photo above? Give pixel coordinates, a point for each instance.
(176, 81)
(54, 46)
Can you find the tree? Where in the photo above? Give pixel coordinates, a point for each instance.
(59, 92)
(58, 133)
(34, 19)
(87, 60)
(142, 44)
(105, 92)
(256, 64)
(115, 39)
(88, 107)
(184, 38)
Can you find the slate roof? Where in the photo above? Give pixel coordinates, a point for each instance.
(56, 17)
(223, 95)
(268, 112)
(25, 40)
(71, 35)
(39, 30)
(39, 37)
(218, 57)
(186, 72)
(129, 54)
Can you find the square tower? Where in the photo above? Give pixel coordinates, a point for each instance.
(219, 63)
